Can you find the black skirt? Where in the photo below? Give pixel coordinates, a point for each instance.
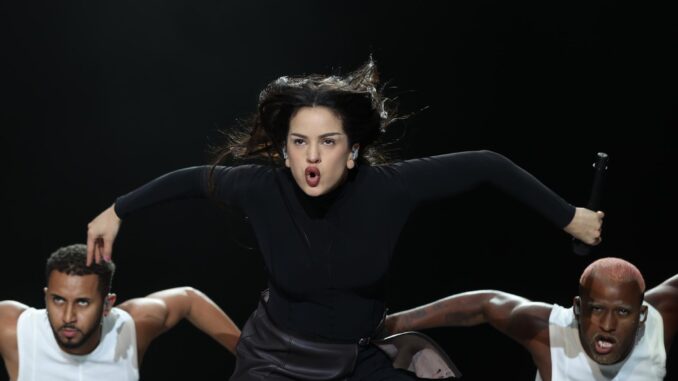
(266, 352)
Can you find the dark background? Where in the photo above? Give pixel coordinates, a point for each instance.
(100, 97)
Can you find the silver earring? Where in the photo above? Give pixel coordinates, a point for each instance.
(354, 153)
(284, 152)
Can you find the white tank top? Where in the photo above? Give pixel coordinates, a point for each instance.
(40, 358)
(646, 362)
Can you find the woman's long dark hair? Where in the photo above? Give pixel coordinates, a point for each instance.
(355, 98)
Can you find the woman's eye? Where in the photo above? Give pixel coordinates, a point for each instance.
(328, 141)
(298, 141)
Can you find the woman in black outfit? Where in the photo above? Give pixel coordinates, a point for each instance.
(327, 221)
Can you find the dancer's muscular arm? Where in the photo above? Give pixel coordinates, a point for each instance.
(665, 299)
(9, 315)
(523, 320)
(160, 311)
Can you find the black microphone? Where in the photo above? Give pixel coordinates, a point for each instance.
(600, 166)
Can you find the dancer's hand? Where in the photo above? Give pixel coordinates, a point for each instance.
(586, 226)
(101, 233)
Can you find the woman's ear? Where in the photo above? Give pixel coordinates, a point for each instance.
(285, 157)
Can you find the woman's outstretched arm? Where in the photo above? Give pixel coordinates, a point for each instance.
(443, 176)
(229, 184)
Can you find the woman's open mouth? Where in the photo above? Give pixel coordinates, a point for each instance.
(312, 175)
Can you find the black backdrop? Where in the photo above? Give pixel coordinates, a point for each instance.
(101, 97)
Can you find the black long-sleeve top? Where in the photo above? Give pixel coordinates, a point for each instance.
(327, 256)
